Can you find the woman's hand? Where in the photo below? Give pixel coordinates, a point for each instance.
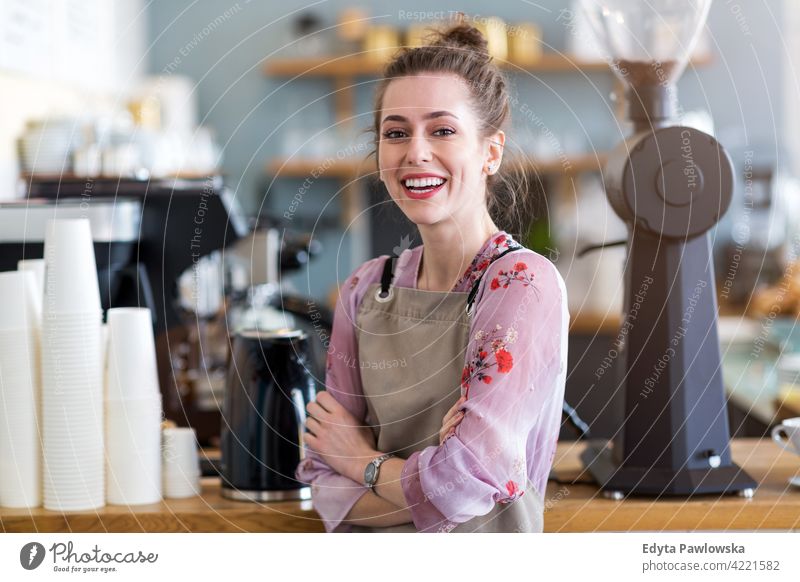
(451, 420)
(335, 434)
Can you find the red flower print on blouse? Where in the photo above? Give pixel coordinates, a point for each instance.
(482, 362)
(504, 361)
(518, 273)
(482, 261)
(514, 492)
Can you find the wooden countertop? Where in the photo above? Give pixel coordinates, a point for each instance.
(775, 506)
(207, 513)
(569, 508)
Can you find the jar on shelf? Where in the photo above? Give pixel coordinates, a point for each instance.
(381, 42)
(524, 43)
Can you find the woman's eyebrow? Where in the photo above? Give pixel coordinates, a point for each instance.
(433, 115)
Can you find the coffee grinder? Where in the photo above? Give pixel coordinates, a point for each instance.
(670, 184)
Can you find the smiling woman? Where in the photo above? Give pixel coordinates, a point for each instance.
(462, 437)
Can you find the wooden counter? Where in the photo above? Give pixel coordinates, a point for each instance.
(208, 513)
(775, 506)
(569, 508)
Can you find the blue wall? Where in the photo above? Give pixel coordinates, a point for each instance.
(223, 45)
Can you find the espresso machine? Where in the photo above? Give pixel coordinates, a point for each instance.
(670, 184)
(178, 222)
(115, 227)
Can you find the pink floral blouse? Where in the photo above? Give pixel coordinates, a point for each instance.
(513, 378)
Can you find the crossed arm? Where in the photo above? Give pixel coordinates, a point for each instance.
(347, 446)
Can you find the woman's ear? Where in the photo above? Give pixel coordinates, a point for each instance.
(495, 152)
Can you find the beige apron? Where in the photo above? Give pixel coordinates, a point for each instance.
(411, 348)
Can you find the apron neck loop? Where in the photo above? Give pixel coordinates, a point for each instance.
(388, 275)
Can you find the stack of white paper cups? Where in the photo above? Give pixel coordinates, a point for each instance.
(133, 409)
(72, 380)
(35, 266)
(20, 441)
(181, 463)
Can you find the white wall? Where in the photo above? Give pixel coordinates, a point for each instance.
(63, 58)
(791, 83)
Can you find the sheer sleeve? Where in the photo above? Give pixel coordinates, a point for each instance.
(513, 378)
(333, 494)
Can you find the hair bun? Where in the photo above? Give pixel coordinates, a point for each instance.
(464, 36)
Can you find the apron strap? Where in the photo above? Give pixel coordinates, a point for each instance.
(387, 276)
(474, 291)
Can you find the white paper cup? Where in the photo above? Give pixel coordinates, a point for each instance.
(182, 486)
(73, 439)
(181, 471)
(18, 306)
(20, 426)
(132, 371)
(21, 471)
(91, 497)
(133, 451)
(70, 272)
(71, 357)
(35, 266)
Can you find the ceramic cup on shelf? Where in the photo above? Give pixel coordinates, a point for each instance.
(787, 434)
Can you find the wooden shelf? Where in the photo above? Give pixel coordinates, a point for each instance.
(363, 65)
(595, 323)
(349, 169)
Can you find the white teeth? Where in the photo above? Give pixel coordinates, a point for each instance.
(423, 182)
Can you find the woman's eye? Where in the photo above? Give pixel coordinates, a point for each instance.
(393, 134)
(447, 129)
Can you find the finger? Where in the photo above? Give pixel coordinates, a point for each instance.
(313, 426)
(444, 435)
(315, 410)
(453, 422)
(446, 432)
(311, 441)
(454, 408)
(450, 425)
(326, 401)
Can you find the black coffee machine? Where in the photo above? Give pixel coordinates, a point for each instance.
(115, 227)
(179, 221)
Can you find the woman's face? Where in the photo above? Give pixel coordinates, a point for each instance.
(430, 154)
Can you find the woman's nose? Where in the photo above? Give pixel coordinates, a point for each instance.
(419, 150)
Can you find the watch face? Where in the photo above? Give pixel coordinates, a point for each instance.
(369, 473)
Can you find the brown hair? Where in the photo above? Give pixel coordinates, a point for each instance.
(462, 50)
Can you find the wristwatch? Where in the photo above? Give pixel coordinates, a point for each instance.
(372, 469)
